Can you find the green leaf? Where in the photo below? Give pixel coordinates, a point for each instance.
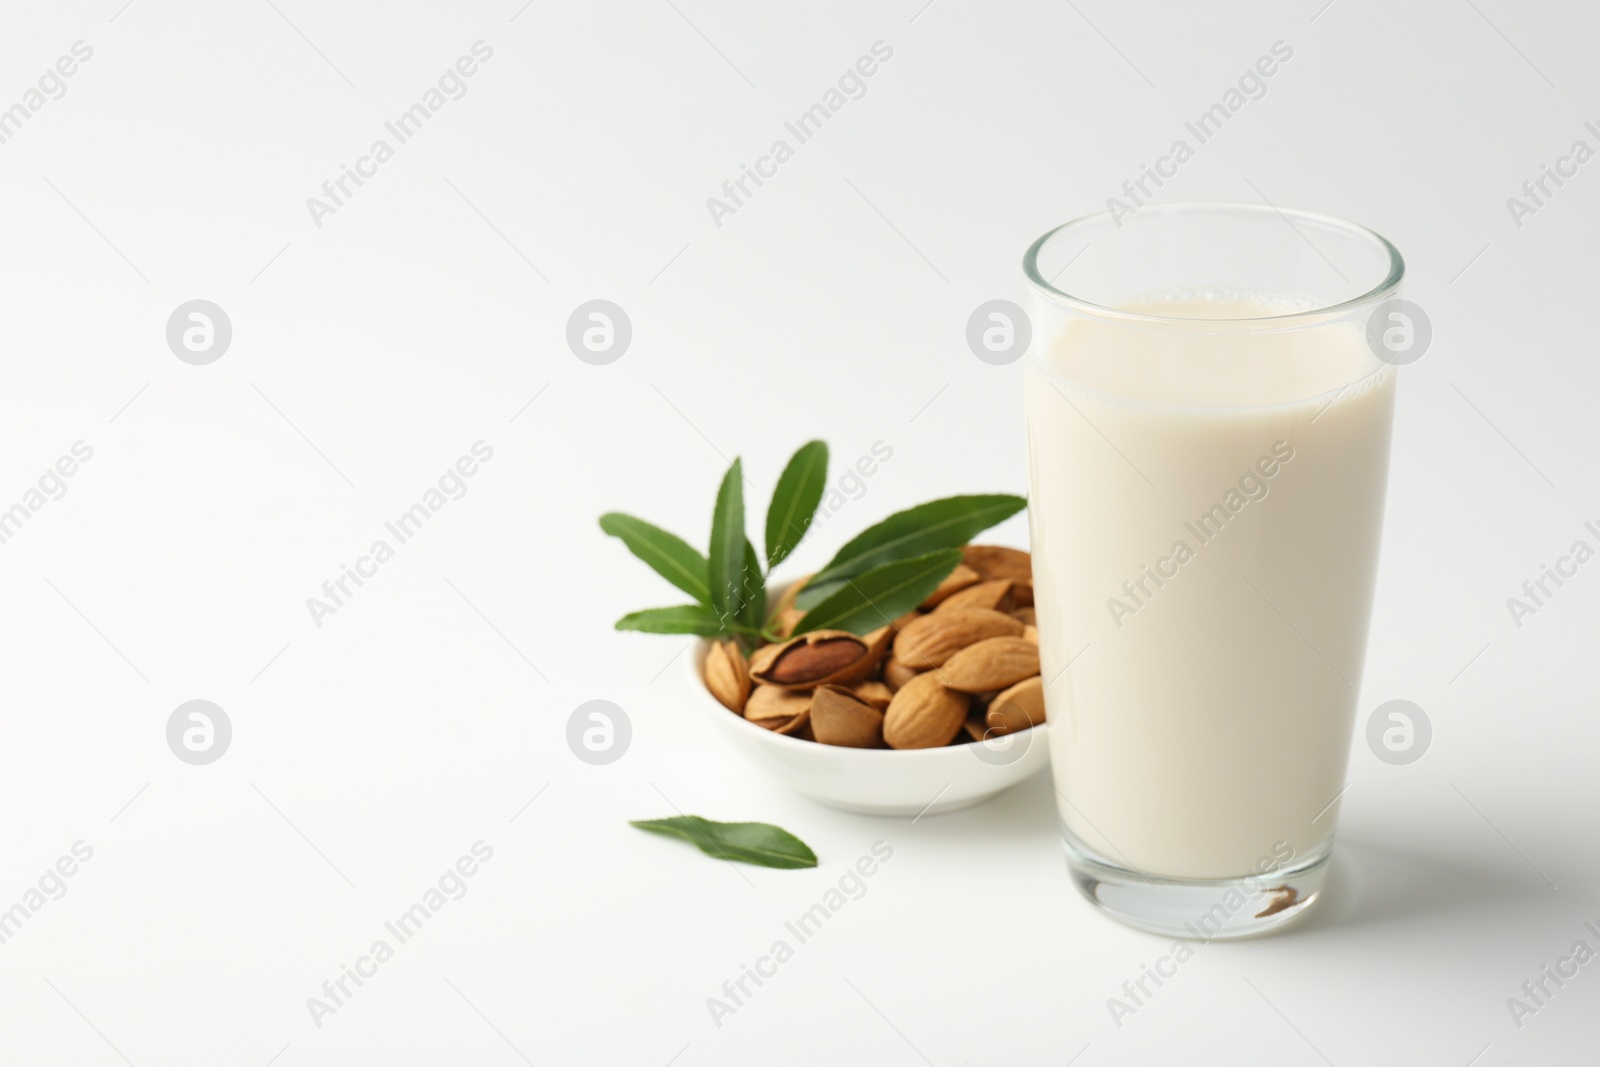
(947, 523)
(725, 568)
(667, 554)
(688, 619)
(876, 598)
(748, 842)
(795, 500)
(755, 589)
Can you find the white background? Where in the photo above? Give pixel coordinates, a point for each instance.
(369, 353)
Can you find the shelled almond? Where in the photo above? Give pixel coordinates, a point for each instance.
(934, 638)
(840, 717)
(962, 667)
(1018, 707)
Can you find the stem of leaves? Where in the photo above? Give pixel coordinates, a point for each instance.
(884, 571)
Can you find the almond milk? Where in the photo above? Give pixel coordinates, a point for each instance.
(1206, 509)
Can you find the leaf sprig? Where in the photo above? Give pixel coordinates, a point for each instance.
(883, 572)
(759, 843)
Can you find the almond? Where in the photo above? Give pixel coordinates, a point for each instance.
(1031, 633)
(924, 714)
(995, 596)
(997, 561)
(772, 707)
(799, 725)
(879, 640)
(1018, 708)
(932, 639)
(787, 620)
(992, 664)
(1026, 614)
(728, 675)
(838, 717)
(975, 730)
(786, 601)
(812, 659)
(785, 614)
(980, 702)
(897, 674)
(875, 694)
(954, 582)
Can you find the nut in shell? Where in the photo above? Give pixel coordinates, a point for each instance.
(812, 659)
(998, 561)
(773, 708)
(881, 640)
(728, 675)
(924, 714)
(786, 601)
(934, 638)
(838, 717)
(873, 693)
(994, 595)
(996, 663)
(787, 620)
(1018, 707)
(954, 582)
(897, 674)
(799, 725)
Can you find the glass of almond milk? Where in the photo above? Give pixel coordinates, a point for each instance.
(1208, 437)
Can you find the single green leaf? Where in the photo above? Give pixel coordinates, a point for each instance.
(795, 500)
(755, 589)
(687, 619)
(748, 842)
(947, 523)
(878, 597)
(725, 568)
(667, 554)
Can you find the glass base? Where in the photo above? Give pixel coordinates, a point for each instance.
(1199, 909)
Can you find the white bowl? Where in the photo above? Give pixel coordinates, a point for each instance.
(878, 781)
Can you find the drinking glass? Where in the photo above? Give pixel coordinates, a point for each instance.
(1209, 393)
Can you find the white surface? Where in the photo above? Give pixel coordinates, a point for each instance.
(405, 329)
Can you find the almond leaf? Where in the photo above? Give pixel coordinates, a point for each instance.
(867, 601)
(667, 554)
(795, 500)
(938, 524)
(725, 568)
(687, 619)
(759, 843)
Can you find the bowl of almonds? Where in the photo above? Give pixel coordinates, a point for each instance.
(939, 709)
(900, 679)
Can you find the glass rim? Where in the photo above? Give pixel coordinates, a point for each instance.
(1289, 319)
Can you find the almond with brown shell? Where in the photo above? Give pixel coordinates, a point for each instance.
(996, 663)
(814, 658)
(838, 717)
(934, 638)
(728, 675)
(993, 595)
(774, 709)
(924, 714)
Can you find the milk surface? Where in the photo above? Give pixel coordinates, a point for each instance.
(1206, 508)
